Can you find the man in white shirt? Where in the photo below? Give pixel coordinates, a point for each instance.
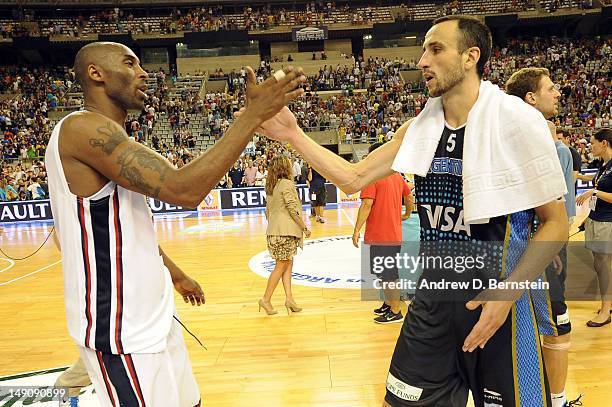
(18, 172)
(297, 169)
(35, 189)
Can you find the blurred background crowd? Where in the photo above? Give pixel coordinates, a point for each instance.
(364, 101)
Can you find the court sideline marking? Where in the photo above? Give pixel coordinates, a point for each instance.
(348, 217)
(11, 265)
(29, 274)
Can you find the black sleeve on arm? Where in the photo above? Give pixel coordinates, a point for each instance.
(577, 160)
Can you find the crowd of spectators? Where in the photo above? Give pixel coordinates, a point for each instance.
(25, 127)
(250, 170)
(49, 87)
(215, 18)
(369, 104)
(371, 74)
(13, 29)
(23, 181)
(199, 19)
(314, 14)
(555, 5)
(24, 121)
(361, 117)
(579, 68)
(408, 12)
(364, 74)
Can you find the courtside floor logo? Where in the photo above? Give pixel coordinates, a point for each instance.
(210, 226)
(43, 380)
(331, 262)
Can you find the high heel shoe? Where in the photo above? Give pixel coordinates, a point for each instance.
(267, 306)
(292, 306)
(592, 324)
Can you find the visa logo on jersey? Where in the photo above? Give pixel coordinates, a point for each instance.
(446, 219)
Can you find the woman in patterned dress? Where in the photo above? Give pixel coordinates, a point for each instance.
(285, 230)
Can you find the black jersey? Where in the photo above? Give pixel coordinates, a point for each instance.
(440, 198)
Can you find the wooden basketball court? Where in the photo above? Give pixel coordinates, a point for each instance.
(331, 354)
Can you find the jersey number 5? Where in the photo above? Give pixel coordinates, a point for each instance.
(450, 143)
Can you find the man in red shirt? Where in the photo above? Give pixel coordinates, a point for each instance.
(381, 211)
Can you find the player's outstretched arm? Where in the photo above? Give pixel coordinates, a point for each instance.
(102, 144)
(348, 177)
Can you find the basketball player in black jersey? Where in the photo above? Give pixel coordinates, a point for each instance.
(535, 87)
(448, 348)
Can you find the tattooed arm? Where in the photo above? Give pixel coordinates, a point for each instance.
(95, 149)
(105, 147)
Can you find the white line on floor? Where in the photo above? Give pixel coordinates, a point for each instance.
(29, 274)
(9, 266)
(348, 217)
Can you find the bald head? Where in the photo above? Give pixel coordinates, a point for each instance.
(99, 54)
(111, 77)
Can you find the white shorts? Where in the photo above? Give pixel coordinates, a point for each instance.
(163, 379)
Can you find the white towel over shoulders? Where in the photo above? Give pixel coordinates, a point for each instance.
(509, 159)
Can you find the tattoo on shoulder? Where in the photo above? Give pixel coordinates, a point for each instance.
(112, 138)
(133, 160)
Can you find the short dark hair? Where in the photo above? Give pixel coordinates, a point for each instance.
(475, 34)
(566, 133)
(604, 134)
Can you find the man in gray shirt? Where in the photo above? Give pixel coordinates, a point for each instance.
(567, 165)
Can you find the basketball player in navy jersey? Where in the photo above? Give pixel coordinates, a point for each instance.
(535, 87)
(117, 281)
(448, 348)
